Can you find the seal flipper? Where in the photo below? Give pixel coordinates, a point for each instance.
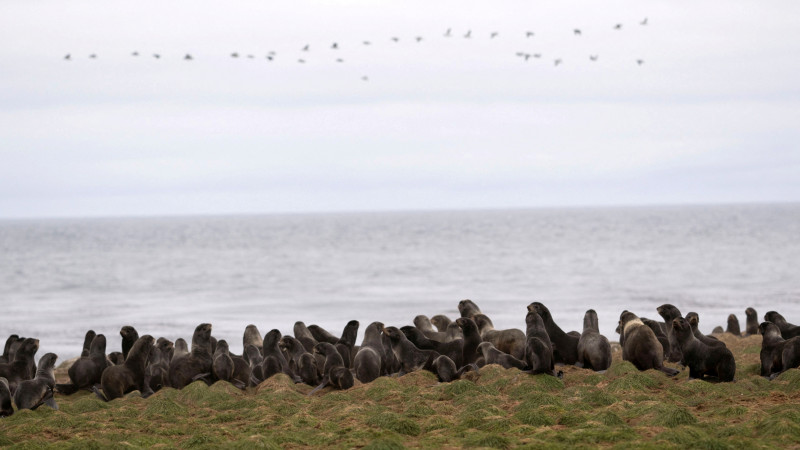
(206, 377)
(99, 394)
(67, 388)
(51, 402)
(325, 382)
(669, 371)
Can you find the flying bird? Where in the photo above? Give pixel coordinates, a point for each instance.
(469, 34)
(527, 56)
(334, 46)
(301, 61)
(234, 55)
(305, 49)
(419, 38)
(593, 57)
(250, 56)
(557, 62)
(135, 54)
(68, 57)
(493, 35)
(339, 60)
(188, 57)
(93, 56)
(396, 39)
(640, 61)
(537, 55)
(644, 22)
(156, 56)
(447, 33)
(269, 57)
(618, 26)
(367, 43)
(576, 32)
(529, 34)
(364, 78)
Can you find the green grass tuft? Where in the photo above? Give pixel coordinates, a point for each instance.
(534, 418)
(672, 416)
(393, 422)
(636, 381)
(384, 444)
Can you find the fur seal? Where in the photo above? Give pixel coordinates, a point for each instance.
(594, 350)
(86, 372)
(565, 346)
(468, 308)
(322, 335)
(251, 336)
(300, 361)
(445, 369)
(777, 354)
(694, 319)
(197, 364)
(34, 393)
(703, 360)
(302, 334)
(411, 358)
(454, 332)
(8, 355)
(453, 350)
(273, 356)
(157, 372)
(231, 368)
(733, 326)
(334, 372)
(116, 358)
(788, 330)
(368, 363)
(658, 329)
(492, 355)
(640, 346)
(129, 337)
(441, 322)
(130, 376)
(472, 339)
(424, 324)
(87, 342)
(346, 343)
(751, 325)
(181, 349)
(258, 372)
(5, 399)
(511, 341)
(669, 313)
(538, 350)
(717, 330)
(22, 367)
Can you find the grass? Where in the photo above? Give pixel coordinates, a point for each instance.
(496, 408)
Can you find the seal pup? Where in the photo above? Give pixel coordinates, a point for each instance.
(322, 335)
(424, 324)
(157, 371)
(302, 334)
(717, 330)
(34, 393)
(368, 363)
(658, 329)
(222, 366)
(511, 341)
(694, 319)
(130, 376)
(733, 326)
(346, 343)
(116, 358)
(87, 342)
(445, 369)
(788, 330)
(129, 337)
(454, 332)
(410, 357)
(300, 361)
(777, 354)
(8, 353)
(594, 350)
(196, 364)
(257, 369)
(5, 399)
(538, 349)
(181, 349)
(271, 351)
(441, 322)
(454, 349)
(334, 373)
(20, 368)
(669, 313)
(472, 339)
(751, 325)
(565, 346)
(640, 346)
(492, 355)
(703, 360)
(86, 372)
(468, 308)
(251, 336)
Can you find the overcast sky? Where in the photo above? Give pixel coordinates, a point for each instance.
(712, 115)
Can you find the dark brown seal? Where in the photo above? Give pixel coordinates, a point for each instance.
(129, 337)
(31, 394)
(777, 354)
(23, 367)
(5, 399)
(788, 330)
(130, 376)
(538, 349)
(492, 355)
(751, 326)
(733, 326)
(511, 341)
(410, 357)
(669, 313)
(594, 350)
(703, 360)
(197, 363)
(468, 308)
(565, 346)
(86, 372)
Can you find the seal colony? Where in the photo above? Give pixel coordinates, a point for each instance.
(447, 348)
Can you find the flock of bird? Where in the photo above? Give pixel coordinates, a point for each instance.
(319, 358)
(449, 33)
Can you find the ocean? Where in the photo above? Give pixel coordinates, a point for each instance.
(165, 275)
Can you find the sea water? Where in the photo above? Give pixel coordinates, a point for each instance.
(61, 277)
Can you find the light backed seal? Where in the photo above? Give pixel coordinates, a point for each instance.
(703, 360)
(594, 350)
(197, 364)
(181, 349)
(130, 376)
(5, 399)
(640, 346)
(751, 326)
(86, 372)
(34, 393)
(777, 354)
(453, 332)
(511, 341)
(658, 329)
(565, 346)
(424, 324)
(251, 336)
(440, 321)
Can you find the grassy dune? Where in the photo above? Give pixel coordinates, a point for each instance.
(497, 408)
